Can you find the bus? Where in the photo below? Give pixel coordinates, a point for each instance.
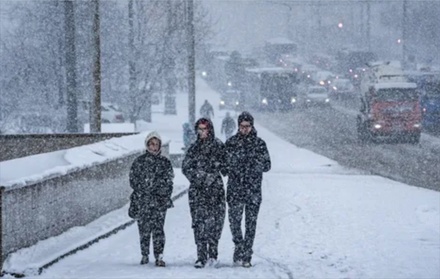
(276, 48)
(348, 61)
(270, 89)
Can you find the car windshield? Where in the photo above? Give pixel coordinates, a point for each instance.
(396, 94)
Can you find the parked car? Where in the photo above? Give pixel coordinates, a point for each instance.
(111, 113)
(317, 95)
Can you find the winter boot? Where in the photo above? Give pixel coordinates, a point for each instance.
(247, 264)
(199, 263)
(238, 254)
(144, 260)
(159, 261)
(213, 250)
(202, 251)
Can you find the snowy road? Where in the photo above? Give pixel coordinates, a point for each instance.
(332, 133)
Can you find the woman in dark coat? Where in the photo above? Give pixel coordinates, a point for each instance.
(203, 165)
(151, 177)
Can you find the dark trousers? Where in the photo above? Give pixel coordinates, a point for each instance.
(152, 225)
(243, 245)
(207, 225)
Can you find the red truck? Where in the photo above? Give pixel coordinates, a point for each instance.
(390, 110)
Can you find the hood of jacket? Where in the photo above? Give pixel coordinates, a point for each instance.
(151, 135)
(208, 122)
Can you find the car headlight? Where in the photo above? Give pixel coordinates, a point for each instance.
(377, 126)
(264, 101)
(222, 102)
(417, 125)
(293, 100)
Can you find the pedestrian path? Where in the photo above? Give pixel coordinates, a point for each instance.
(317, 220)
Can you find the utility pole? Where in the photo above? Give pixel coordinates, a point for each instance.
(368, 25)
(404, 32)
(95, 113)
(191, 63)
(131, 55)
(72, 103)
(361, 31)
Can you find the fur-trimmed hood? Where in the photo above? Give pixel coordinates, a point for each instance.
(151, 135)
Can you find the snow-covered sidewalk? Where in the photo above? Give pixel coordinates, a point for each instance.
(317, 220)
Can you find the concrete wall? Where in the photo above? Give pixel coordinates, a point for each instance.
(51, 206)
(17, 146)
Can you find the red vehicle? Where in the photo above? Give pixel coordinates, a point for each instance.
(390, 110)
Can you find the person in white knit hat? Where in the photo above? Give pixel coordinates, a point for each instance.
(151, 177)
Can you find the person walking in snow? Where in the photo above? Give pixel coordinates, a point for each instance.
(151, 177)
(206, 110)
(247, 158)
(228, 126)
(204, 165)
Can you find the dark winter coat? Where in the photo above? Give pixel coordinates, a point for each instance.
(206, 110)
(151, 177)
(228, 125)
(206, 157)
(247, 158)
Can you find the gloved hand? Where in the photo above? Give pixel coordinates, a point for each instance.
(200, 178)
(210, 178)
(148, 183)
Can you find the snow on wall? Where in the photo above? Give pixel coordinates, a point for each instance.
(51, 206)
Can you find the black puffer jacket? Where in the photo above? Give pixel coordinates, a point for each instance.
(151, 177)
(247, 158)
(205, 157)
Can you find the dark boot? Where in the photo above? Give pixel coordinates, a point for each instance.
(238, 254)
(144, 260)
(213, 250)
(202, 255)
(159, 261)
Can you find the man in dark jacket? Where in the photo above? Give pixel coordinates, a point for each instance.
(151, 177)
(203, 166)
(247, 158)
(206, 110)
(228, 126)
